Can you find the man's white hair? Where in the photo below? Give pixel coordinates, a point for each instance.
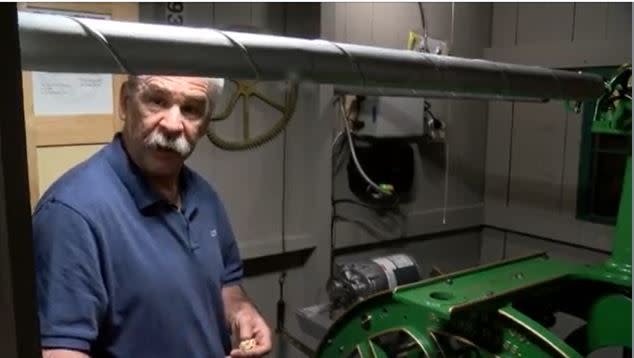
(216, 86)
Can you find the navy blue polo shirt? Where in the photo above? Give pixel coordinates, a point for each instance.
(121, 273)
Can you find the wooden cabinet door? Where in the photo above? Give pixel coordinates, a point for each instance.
(58, 139)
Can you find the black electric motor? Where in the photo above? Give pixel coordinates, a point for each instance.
(353, 281)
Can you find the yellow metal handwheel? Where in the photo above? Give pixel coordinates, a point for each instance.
(245, 90)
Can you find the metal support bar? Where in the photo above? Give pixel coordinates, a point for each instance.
(390, 92)
(62, 44)
(622, 244)
(19, 333)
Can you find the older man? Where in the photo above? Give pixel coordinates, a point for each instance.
(134, 252)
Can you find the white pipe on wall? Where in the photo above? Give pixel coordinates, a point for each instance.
(58, 43)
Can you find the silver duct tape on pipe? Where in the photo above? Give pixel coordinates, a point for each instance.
(60, 44)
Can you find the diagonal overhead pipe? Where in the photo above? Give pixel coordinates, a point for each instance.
(378, 91)
(58, 43)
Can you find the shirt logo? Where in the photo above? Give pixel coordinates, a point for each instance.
(213, 233)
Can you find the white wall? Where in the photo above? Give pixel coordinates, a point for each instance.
(532, 159)
(467, 28)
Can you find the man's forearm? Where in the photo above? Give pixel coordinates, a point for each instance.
(251, 335)
(235, 300)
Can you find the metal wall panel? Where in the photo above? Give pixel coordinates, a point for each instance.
(359, 18)
(572, 141)
(619, 22)
(390, 25)
(340, 22)
(197, 14)
(493, 244)
(551, 225)
(590, 21)
(544, 22)
(438, 17)
(268, 17)
(302, 20)
(537, 156)
(226, 14)
(467, 17)
(499, 130)
(519, 245)
(388, 33)
(504, 24)
(565, 55)
(466, 135)
(543, 167)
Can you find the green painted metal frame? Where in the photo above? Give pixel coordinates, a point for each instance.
(501, 310)
(613, 112)
(609, 122)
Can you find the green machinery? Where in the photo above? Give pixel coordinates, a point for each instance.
(505, 309)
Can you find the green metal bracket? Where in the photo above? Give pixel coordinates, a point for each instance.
(621, 259)
(500, 310)
(613, 110)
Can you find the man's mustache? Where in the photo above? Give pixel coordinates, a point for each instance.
(179, 145)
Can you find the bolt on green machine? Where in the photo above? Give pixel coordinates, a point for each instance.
(505, 309)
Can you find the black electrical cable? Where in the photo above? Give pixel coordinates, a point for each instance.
(397, 218)
(337, 150)
(333, 209)
(379, 190)
(421, 10)
(281, 304)
(422, 17)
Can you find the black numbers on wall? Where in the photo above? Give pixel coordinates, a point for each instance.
(174, 13)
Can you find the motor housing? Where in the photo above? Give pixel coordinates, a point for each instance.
(353, 281)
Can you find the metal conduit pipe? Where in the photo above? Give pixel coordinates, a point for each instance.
(57, 43)
(398, 92)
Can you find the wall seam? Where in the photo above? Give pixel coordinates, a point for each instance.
(510, 159)
(563, 165)
(517, 21)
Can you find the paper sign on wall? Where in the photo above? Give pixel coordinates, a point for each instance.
(59, 94)
(63, 94)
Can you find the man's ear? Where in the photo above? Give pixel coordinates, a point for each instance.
(124, 100)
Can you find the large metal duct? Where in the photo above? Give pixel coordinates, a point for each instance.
(58, 43)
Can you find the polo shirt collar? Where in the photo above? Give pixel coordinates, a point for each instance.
(132, 178)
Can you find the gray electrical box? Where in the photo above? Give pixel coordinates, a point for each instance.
(391, 117)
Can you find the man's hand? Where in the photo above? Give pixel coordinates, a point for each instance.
(62, 353)
(251, 334)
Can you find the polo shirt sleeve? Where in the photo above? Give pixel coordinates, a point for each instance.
(71, 295)
(230, 253)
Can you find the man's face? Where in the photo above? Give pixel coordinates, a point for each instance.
(164, 119)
